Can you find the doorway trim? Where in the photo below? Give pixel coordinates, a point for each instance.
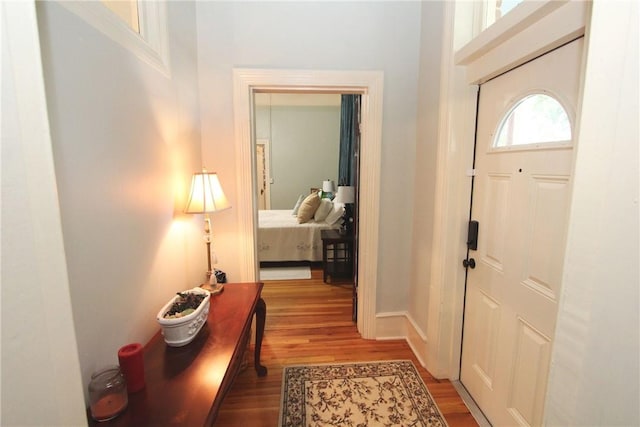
(369, 84)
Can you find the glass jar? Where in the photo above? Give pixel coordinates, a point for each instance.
(107, 393)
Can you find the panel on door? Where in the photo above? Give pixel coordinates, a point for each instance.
(524, 157)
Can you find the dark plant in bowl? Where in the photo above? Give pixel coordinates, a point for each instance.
(186, 304)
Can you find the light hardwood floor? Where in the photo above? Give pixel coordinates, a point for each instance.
(309, 322)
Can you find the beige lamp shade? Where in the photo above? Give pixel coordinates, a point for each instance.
(328, 186)
(206, 194)
(346, 194)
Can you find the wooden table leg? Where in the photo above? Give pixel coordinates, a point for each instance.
(261, 314)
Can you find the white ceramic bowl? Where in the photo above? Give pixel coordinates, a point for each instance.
(181, 331)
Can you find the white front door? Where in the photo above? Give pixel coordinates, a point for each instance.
(521, 199)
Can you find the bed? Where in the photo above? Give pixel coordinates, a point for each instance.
(281, 238)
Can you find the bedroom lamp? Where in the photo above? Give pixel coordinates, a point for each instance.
(328, 188)
(346, 195)
(206, 196)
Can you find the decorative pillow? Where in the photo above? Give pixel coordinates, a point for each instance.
(336, 214)
(308, 207)
(297, 205)
(323, 210)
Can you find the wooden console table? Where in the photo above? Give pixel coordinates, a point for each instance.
(185, 386)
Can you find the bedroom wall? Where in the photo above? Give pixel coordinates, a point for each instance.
(305, 143)
(126, 139)
(381, 36)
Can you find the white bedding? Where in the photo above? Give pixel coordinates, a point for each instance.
(281, 238)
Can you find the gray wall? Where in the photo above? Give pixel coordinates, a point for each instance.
(126, 139)
(305, 142)
(381, 36)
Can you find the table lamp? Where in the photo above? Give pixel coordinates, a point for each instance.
(346, 194)
(328, 189)
(206, 196)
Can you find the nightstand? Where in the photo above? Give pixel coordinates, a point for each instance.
(337, 256)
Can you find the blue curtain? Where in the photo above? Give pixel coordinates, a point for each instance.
(349, 139)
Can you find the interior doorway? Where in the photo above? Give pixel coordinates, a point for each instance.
(290, 130)
(369, 85)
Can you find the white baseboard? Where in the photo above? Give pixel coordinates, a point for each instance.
(400, 325)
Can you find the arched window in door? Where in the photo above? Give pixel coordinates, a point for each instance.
(534, 119)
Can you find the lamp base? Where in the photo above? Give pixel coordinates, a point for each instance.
(213, 288)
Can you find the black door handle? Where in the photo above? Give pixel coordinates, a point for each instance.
(469, 263)
(472, 235)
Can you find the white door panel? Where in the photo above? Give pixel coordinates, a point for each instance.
(530, 367)
(521, 201)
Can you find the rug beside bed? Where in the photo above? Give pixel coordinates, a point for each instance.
(285, 273)
(371, 393)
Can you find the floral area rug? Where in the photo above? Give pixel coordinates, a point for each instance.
(388, 393)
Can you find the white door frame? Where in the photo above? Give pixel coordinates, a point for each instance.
(367, 83)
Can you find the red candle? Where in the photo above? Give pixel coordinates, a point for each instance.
(132, 365)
